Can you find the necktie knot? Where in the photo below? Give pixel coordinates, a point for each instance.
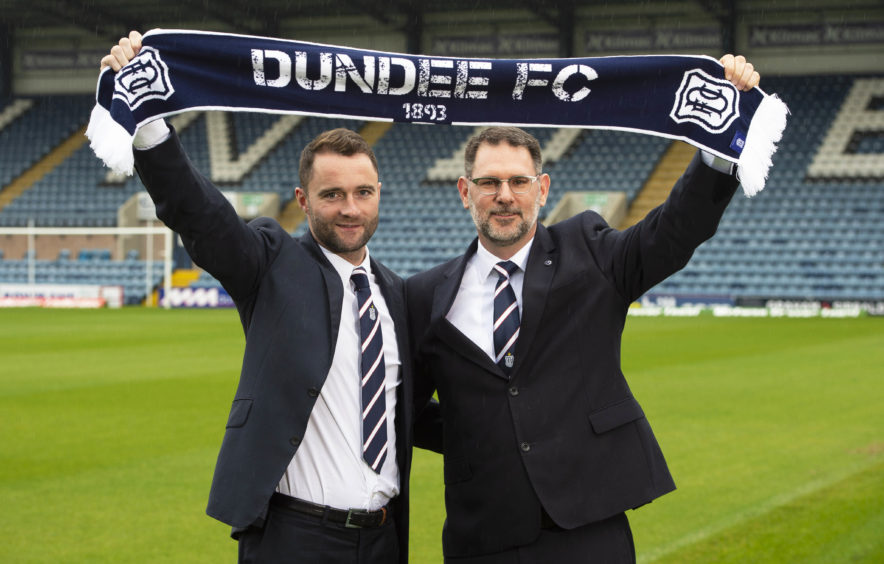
(506, 268)
(360, 278)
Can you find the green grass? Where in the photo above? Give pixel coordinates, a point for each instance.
(754, 415)
(110, 422)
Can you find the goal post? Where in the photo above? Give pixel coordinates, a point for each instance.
(33, 244)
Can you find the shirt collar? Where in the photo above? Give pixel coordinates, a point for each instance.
(343, 267)
(485, 261)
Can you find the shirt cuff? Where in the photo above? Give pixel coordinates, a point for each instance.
(151, 134)
(717, 163)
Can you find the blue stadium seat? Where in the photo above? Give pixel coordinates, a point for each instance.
(800, 238)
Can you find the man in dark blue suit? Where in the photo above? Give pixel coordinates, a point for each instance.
(545, 446)
(315, 460)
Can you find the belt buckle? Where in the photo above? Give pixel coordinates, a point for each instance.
(350, 515)
(353, 512)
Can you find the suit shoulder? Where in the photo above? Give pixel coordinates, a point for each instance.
(269, 225)
(587, 222)
(386, 270)
(380, 269)
(275, 237)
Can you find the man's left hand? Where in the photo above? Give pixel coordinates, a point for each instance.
(740, 72)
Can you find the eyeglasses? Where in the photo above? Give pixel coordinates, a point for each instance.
(490, 185)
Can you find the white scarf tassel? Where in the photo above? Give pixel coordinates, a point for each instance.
(110, 141)
(765, 132)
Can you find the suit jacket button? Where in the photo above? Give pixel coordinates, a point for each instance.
(514, 391)
(313, 392)
(295, 441)
(525, 447)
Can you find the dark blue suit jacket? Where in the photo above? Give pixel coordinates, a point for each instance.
(289, 300)
(564, 431)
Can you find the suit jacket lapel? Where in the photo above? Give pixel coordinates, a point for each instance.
(539, 272)
(334, 289)
(396, 306)
(443, 298)
(446, 290)
(394, 299)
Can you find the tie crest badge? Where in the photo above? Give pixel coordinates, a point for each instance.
(372, 313)
(509, 359)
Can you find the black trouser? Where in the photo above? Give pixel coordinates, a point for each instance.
(603, 542)
(289, 536)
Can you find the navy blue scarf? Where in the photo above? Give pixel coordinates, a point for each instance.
(674, 96)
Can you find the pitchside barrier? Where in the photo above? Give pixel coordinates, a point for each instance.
(665, 305)
(43, 248)
(742, 311)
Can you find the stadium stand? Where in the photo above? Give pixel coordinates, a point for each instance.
(30, 128)
(801, 238)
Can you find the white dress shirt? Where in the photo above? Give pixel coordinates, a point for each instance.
(328, 468)
(473, 309)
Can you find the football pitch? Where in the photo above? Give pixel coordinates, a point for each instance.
(110, 422)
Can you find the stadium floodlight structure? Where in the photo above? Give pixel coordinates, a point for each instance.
(32, 232)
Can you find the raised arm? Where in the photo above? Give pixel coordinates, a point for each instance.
(664, 241)
(216, 238)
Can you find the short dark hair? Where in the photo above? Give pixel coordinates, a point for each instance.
(496, 135)
(339, 141)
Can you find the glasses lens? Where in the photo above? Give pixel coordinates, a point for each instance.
(520, 184)
(488, 185)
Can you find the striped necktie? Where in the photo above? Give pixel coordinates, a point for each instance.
(506, 317)
(374, 405)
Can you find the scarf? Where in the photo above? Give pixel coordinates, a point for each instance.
(674, 96)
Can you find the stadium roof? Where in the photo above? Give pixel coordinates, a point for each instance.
(112, 18)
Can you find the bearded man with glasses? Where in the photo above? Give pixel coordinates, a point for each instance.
(545, 445)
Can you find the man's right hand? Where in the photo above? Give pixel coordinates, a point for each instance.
(122, 52)
(154, 132)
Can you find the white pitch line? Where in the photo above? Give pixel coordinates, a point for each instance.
(769, 505)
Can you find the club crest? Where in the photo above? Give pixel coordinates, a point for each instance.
(509, 360)
(372, 313)
(708, 102)
(146, 77)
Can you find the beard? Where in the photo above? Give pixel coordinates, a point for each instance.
(508, 234)
(325, 234)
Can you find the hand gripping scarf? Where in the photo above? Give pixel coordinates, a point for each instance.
(674, 96)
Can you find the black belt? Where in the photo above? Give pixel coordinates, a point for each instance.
(351, 518)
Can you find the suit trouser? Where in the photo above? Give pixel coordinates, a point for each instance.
(288, 536)
(603, 542)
